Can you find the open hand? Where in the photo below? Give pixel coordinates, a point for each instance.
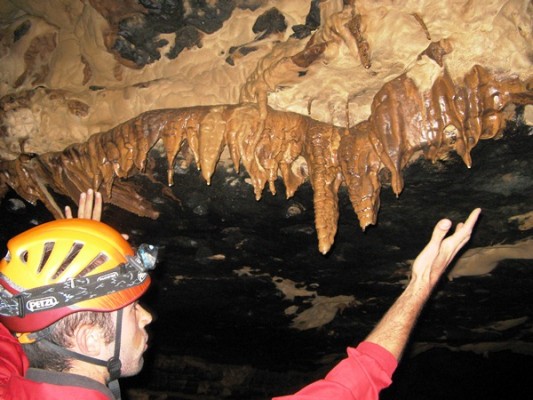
(439, 252)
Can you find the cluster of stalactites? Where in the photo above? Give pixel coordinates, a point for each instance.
(404, 122)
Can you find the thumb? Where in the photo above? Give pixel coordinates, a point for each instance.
(429, 253)
(441, 229)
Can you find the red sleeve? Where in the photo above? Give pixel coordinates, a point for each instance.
(13, 361)
(361, 376)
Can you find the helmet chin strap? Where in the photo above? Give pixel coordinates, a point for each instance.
(113, 365)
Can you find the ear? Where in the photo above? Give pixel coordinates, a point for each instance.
(89, 340)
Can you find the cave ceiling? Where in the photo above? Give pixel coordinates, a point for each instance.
(291, 157)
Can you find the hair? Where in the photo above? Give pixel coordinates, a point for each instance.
(61, 333)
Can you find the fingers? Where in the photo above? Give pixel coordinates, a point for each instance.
(472, 218)
(441, 250)
(89, 206)
(97, 210)
(68, 212)
(441, 230)
(432, 248)
(451, 245)
(461, 235)
(463, 231)
(82, 204)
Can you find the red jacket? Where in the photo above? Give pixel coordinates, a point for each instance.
(14, 367)
(361, 376)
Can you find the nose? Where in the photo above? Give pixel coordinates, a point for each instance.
(145, 317)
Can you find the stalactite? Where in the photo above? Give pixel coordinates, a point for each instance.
(320, 153)
(443, 118)
(360, 166)
(407, 120)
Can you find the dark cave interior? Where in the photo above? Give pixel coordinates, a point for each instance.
(222, 326)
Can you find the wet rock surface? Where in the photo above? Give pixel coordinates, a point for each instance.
(236, 274)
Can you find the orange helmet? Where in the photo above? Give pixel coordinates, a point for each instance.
(69, 265)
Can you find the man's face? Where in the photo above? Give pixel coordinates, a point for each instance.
(134, 338)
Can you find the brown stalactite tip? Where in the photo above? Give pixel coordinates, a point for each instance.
(404, 121)
(211, 141)
(360, 167)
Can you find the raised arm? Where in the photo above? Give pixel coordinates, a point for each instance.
(392, 332)
(369, 367)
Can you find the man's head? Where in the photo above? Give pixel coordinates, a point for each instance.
(73, 284)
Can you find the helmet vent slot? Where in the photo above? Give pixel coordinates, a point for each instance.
(96, 262)
(74, 250)
(48, 247)
(24, 256)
